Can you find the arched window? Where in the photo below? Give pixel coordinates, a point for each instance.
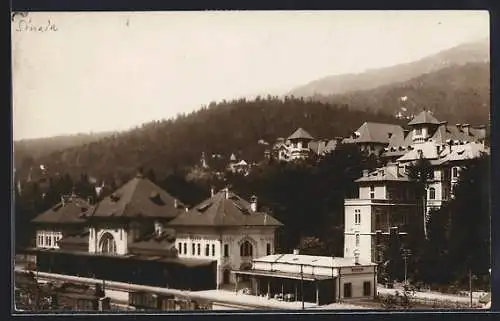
(107, 244)
(246, 249)
(432, 193)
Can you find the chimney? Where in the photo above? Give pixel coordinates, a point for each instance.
(212, 191)
(296, 252)
(175, 203)
(186, 209)
(253, 203)
(365, 173)
(226, 193)
(459, 127)
(389, 135)
(140, 173)
(466, 128)
(63, 201)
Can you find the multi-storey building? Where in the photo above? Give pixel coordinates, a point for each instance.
(386, 199)
(228, 229)
(387, 195)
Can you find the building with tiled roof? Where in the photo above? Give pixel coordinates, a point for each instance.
(138, 208)
(374, 137)
(226, 228)
(301, 145)
(386, 198)
(122, 238)
(446, 147)
(67, 217)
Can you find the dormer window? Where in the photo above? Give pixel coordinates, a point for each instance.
(418, 131)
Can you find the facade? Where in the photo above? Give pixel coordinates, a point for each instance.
(374, 137)
(319, 279)
(301, 145)
(225, 228)
(386, 199)
(63, 220)
(123, 238)
(387, 196)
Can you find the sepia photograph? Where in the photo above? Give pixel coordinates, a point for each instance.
(199, 161)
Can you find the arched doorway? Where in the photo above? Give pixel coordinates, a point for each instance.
(226, 276)
(107, 244)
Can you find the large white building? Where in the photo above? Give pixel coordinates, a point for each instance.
(228, 229)
(387, 196)
(319, 279)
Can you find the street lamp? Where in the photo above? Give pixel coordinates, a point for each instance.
(406, 253)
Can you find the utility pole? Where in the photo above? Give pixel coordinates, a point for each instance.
(406, 253)
(302, 284)
(470, 286)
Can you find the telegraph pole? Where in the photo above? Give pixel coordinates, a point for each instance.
(406, 253)
(302, 284)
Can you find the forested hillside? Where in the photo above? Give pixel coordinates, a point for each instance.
(456, 94)
(473, 52)
(218, 129)
(35, 148)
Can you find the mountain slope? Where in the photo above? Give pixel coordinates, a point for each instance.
(338, 84)
(222, 128)
(26, 150)
(456, 94)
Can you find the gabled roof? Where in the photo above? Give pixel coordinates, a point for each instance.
(220, 210)
(71, 210)
(425, 117)
(301, 134)
(460, 153)
(376, 133)
(428, 149)
(162, 245)
(387, 173)
(452, 132)
(139, 198)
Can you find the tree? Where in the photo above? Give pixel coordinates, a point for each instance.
(311, 245)
(469, 236)
(421, 172)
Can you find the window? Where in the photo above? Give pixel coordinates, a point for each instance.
(372, 192)
(226, 250)
(207, 249)
(185, 248)
(367, 288)
(418, 131)
(193, 249)
(357, 216)
(454, 172)
(180, 248)
(268, 249)
(121, 234)
(347, 290)
(246, 249)
(107, 244)
(432, 193)
(357, 240)
(199, 248)
(213, 249)
(49, 241)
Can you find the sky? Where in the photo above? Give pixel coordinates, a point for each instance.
(102, 71)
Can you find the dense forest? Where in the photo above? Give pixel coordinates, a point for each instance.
(456, 94)
(217, 130)
(36, 148)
